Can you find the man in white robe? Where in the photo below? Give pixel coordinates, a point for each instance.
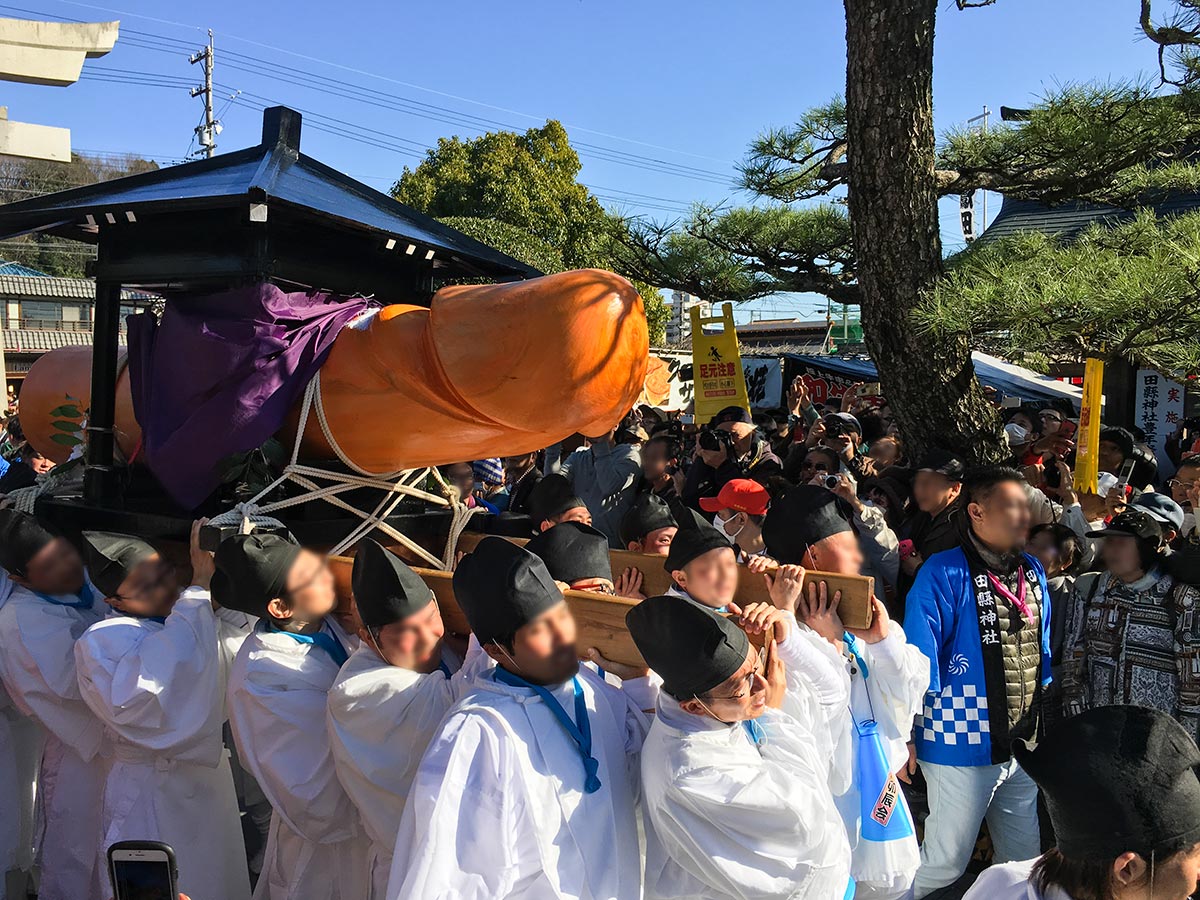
(389, 698)
(529, 786)
(50, 607)
(810, 526)
(316, 848)
(741, 762)
(20, 750)
(151, 673)
(702, 564)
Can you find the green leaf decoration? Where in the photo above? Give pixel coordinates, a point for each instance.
(68, 427)
(69, 412)
(66, 440)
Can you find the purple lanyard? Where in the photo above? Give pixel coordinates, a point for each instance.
(1017, 599)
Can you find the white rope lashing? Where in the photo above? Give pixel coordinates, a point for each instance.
(395, 487)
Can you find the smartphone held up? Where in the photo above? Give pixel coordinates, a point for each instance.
(143, 870)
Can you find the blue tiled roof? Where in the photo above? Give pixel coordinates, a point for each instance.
(12, 268)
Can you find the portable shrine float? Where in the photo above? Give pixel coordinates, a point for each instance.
(368, 341)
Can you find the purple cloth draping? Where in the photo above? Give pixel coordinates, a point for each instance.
(219, 374)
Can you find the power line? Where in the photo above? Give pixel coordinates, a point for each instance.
(344, 91)
(409, 106)
(385, 78)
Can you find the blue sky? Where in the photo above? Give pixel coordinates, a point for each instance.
(668, 94)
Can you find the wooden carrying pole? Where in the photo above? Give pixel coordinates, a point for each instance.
(601, 618)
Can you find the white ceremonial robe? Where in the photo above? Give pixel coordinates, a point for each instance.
(316, 848)
(1010, 881)
(233, 628)
(158, 689)
(893, 694)
(731, 820)
(37, 667)
(381, 718)
(20, 750)
(498, 809)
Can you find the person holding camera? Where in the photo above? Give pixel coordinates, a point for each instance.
(728, 447)
(843, 435)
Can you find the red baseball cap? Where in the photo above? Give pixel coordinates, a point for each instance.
(740, 495)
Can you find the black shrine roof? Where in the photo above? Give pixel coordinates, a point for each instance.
(272, 180)
(1067, 221)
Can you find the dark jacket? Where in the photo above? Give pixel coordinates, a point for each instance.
(930, 535)
(518, 494)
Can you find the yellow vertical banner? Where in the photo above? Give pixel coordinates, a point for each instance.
(717, 365)
(1087, 447)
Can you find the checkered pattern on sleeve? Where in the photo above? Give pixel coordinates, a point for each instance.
(958, 715)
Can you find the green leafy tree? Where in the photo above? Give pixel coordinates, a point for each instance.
(527, 180)
(519, 193)
(22, 178)
(850, 197)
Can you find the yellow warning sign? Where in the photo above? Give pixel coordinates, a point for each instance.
(1087, 447)
(717, 365)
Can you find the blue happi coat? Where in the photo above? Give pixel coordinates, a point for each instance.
(942, 618)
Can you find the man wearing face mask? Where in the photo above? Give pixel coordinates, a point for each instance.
(535, 770)
(389, 698)
(1132, 632)
(738, 512)
(151, 673)
(741, 762)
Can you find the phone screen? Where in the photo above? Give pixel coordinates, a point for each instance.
(1068, 429)
(142, 879)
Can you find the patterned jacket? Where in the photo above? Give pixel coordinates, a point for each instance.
(961, 724)
(1134, 643)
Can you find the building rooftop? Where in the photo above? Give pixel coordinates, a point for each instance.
(55, 288)
(759, 325)
(15, 268)
(1068, 220)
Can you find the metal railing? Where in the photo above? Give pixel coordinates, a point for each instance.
(51, 325)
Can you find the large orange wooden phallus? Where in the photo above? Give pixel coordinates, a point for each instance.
(486, 370)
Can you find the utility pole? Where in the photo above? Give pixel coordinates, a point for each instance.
(207, 132)
(983, 119)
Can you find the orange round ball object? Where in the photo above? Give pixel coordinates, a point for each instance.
(64, 377)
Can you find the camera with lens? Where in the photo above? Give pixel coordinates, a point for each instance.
(835, 427)
(714, 439)
(831, 482)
